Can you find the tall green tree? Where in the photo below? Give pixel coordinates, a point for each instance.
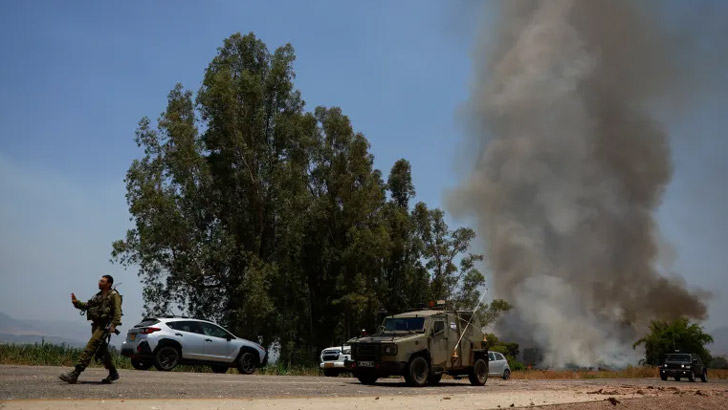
(441, 250)
(273, 221)
(679, 335)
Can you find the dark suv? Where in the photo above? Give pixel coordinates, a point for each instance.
(680, 365)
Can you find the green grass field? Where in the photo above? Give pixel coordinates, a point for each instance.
(45, 354)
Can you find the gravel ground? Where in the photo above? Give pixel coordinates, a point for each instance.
(22, 386)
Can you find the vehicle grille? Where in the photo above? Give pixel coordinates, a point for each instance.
(366, 351)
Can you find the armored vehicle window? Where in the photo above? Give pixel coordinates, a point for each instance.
(679, 358)
(438, 327)
(147, 323)
(404, 323)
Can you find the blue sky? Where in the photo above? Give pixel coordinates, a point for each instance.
(75, 77)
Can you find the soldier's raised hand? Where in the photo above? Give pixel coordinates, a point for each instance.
(73, 298)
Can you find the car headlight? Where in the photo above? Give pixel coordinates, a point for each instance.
(390, 349)
(682, 365)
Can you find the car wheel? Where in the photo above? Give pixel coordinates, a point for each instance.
(220, 368)
(434, 379)
(331, 372)
(677, 378)
(506, 374)
(704, 376)
(478, 374)
(418, 371)
(247, 363)
(367, 379)
(691, 377)
(663, 377)
(141, 364)
(166, 358)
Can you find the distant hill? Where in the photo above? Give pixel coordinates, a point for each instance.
(74, 333)
(719, 347)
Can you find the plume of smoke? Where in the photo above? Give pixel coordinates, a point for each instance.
(572, 167)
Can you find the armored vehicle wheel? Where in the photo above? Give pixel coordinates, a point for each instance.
(434, 379)
(691, 377)
(220, 368)
(331, 372)
(677, 378)
(166, 358)
(704, 376)
(247, 363)
(663, 377)
(367, 379)
(478, 374)
(418, 371)
(506, 374)
(141, 364)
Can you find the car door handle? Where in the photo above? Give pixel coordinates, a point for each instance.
(208, 340)
(178, 334)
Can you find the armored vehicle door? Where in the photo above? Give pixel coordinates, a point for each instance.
(439, 342)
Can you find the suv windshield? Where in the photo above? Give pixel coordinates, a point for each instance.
(415, 324)
(678, 357)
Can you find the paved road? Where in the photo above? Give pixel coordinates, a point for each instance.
(36, 382)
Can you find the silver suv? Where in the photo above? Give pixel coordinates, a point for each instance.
(166, 342)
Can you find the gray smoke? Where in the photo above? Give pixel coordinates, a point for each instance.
(571, 169)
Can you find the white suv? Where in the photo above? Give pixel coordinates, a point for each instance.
(166, 342)
(332, 360)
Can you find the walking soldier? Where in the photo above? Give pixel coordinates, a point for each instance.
(104, 312)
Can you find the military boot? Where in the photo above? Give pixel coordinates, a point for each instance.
(113, 375)
(72, 376)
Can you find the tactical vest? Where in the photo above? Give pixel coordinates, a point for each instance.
(101, 308)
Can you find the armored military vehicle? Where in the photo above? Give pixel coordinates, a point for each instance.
(422, 345)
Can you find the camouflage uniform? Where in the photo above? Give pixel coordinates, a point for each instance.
(102, 310)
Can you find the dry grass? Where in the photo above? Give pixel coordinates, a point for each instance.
(628, 373)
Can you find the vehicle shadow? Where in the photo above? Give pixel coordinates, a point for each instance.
(401, 383)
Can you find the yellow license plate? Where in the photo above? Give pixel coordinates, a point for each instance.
(132, 337)
(327, 365)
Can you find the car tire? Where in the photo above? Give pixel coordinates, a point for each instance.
(166, 358)
(434, 379)
(141, 364)
(506, 374)
(704, 376)
(220, 368)
(368, 379)
(677, 378)
(691, 377)
(247, 362)
(478, 374)
(417, 372)
(331, 372)
(663, 377)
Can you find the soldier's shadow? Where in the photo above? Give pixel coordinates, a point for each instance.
(99, 382)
